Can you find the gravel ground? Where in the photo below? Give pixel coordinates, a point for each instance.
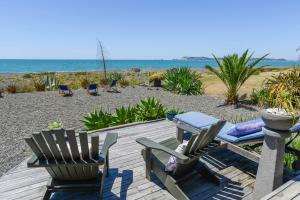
(22, 114)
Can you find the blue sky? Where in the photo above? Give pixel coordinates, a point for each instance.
(148, 29)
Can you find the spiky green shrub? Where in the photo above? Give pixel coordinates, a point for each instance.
(233, 71)
(283, 91)
(183, 81)
(97, 120)
(150, 109)
(84, 83)
(39, 85)
(116, 76)
(124, 115)
(123, 82)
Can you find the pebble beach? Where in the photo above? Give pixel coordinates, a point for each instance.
(25, 113)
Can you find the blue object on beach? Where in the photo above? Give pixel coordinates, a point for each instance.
(113, 83)
(246, 128)
(196, 119)
(92, 87)
(64, 87)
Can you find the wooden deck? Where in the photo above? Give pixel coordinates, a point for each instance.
(127, 172)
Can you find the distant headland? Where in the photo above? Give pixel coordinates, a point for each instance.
(209, 58)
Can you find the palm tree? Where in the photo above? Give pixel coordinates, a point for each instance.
(234, 71)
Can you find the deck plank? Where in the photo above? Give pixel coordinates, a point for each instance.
(127, 173)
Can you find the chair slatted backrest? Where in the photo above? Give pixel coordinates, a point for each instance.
(51, 147)
(113, 83)
(63, 87)
(92, 87)
(195, 145)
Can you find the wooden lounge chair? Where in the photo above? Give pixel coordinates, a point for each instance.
(112, 87)
(156, 156)
(92, 89)
(72, 167)
(65, 90)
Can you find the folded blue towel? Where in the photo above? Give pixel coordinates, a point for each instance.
(246, 128)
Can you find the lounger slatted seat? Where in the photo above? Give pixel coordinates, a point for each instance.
(156, 156)
(72, 166)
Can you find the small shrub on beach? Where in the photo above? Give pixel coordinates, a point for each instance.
(104, 81)
(156, 78)
(39, 85)
(233, 71)
(25, 87)
(116, 76)
(11, 88)
(124, 82)
(84, 83)
(97, 120)
(150, 109)
(55, 125)
(183, 81)
(28, 76)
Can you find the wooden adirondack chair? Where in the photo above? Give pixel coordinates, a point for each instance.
(156, 156)
(72, 167)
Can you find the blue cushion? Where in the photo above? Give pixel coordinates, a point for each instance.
(233, 139)
(223, 134)
(196, 119)
(246, 128)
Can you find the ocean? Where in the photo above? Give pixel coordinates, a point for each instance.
(26, 66)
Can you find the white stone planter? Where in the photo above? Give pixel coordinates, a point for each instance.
(278, 119)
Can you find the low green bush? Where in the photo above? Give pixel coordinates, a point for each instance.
(150, 109)
(84, 83)
(124, 116)
(183, 81)
(97, 120)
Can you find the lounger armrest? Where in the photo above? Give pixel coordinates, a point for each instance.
(153, 145)
(110, 139)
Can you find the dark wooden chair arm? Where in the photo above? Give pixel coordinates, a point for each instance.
(34, 161)
(153, 145)
(111, 139)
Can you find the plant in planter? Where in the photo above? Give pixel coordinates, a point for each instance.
(172, 112)
(156, 78)
(283, 100)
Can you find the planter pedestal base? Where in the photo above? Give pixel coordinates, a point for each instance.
(270, 170)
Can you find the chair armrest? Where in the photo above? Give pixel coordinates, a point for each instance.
(110, 139)
(153, 145)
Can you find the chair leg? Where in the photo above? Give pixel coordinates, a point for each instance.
(107, 164)
(148, 163)
(47, 195)
(207, 173)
